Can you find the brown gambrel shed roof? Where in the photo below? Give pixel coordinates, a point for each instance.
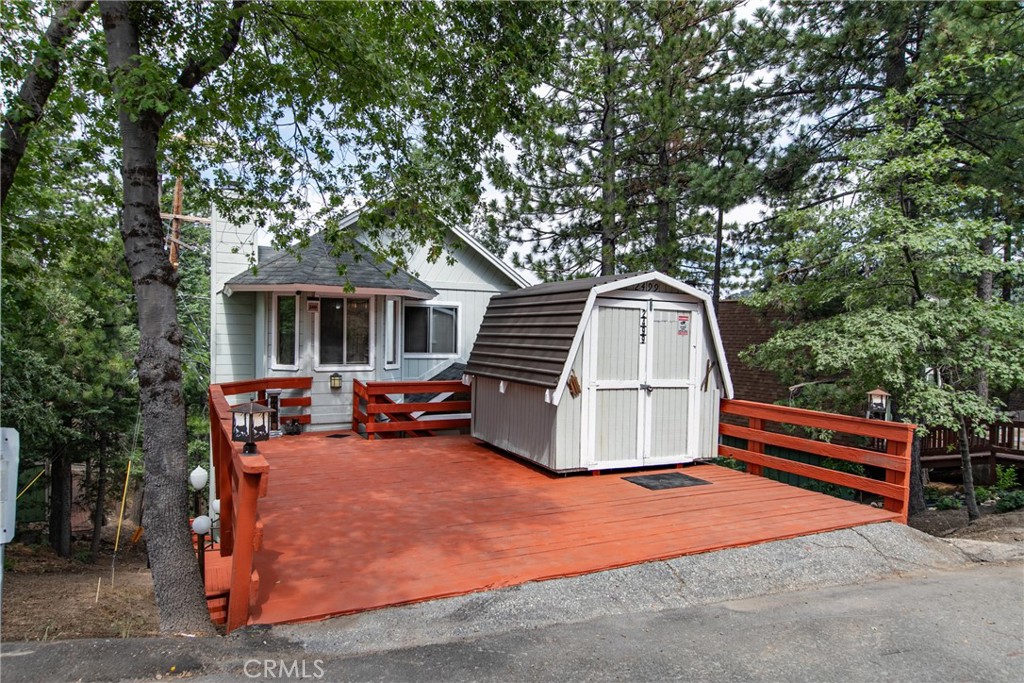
(531, 335)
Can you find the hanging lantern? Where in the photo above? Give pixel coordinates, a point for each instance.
(250, 422)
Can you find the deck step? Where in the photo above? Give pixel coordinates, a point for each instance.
(218, 608)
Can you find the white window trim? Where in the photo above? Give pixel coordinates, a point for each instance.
(274, 365)
(316, 340)
(398, 332)
(458, 330)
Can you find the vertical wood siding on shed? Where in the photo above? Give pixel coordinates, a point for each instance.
(518, 421)
(569, 426)
(708, 401)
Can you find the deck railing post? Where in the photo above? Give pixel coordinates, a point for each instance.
(241, 565)
(900, 506)
(755, 446)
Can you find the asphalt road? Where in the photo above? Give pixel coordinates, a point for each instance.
(962, 624)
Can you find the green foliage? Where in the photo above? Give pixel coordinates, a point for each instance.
(731, 463)
(886, 285)
(948, 503)
(1010, 501)
(634, 148)
(68, 380)
(981, 494)
(843, 492)
(1006, 477)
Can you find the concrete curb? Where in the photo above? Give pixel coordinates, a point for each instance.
(988, 551)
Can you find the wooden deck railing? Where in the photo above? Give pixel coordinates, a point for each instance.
(1003, 444)
(372, 401)
(895, 461)
(1002, 439)
(241, 481)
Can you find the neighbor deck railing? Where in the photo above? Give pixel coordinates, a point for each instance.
(378, 414)
(241, 481)
(1003, 442)
(894, 488)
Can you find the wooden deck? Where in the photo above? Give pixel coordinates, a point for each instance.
(351, 525)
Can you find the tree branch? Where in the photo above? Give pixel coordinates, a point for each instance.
(27, 107)
(198, 69)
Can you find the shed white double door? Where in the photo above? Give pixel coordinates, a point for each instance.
(641, 362)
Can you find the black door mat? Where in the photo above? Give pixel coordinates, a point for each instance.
(666, 480)
(338, 436)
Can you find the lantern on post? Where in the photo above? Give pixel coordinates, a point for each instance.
(250, 422)
(197, 480)
(201, 526)
(878, 404)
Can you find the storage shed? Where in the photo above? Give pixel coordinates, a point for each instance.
(601, 373)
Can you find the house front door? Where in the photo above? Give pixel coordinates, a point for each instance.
(641, 395)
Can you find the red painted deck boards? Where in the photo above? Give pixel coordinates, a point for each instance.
(351, 525)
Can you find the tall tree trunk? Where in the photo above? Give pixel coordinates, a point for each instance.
(608, 160)
(98, 512)
(60, 504)
(968, 473)
(138, 495)
(1007, 278)
(716, 280)
(179, 591)
(985, 288)
(665, 241)
(917, 502)
(27, 108)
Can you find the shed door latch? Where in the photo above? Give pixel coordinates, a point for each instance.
(648, 388)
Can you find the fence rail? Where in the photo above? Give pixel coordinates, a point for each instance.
(378, 414)
(895, 461)
(241, 481)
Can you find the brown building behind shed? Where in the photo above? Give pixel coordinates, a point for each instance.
(743, 326)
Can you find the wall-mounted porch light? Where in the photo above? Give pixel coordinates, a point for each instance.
(335, 381)
(250, 422)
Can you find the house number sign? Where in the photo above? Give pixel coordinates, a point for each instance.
(683, 323)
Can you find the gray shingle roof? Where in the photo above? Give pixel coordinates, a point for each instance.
(316, 265)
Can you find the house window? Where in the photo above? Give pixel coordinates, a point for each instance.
(343, 332)
(392, 321)
(432, 330)
(285, 344)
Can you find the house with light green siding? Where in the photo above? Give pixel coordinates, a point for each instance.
(280, 314)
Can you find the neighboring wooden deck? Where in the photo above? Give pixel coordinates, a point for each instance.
(351, 525)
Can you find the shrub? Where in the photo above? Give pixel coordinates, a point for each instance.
(981, 494)
(948, 503)
(731, 463)
(1006, 477)
(1010, 501)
